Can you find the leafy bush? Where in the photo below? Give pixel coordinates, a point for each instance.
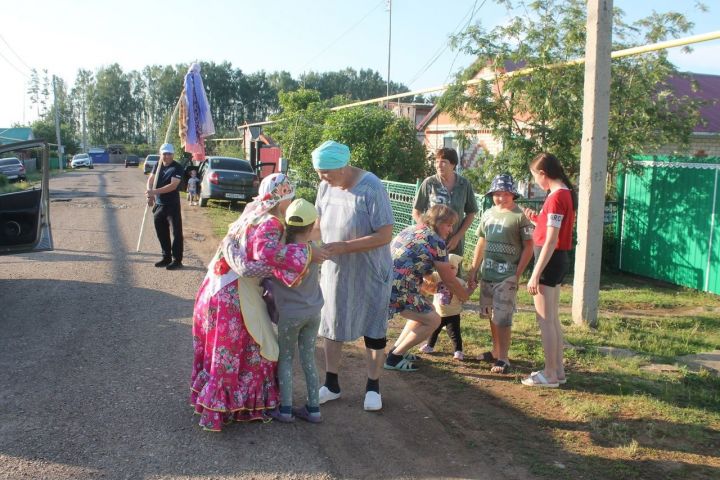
(307, 193)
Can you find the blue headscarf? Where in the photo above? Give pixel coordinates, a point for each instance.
(330, 156)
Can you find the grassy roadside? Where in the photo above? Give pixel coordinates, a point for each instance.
(616, 418)
(221, 215)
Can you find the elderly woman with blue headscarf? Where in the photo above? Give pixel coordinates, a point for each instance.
(356, 223)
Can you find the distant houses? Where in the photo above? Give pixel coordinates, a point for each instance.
(438, 129)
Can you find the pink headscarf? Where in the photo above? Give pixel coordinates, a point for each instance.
(273, 189)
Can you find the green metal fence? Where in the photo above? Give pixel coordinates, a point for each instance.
(668, 221)
(402, 196)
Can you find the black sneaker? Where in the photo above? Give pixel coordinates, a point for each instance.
(174, 265)
(163, 263)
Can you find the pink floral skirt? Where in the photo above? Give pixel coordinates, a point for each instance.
(230, 381)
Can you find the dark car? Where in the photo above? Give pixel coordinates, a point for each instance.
(227, 178)
(132, 161)
(13, 169)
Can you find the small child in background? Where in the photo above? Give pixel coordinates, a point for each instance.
(298, 308)
(448, 307)
(192, 188)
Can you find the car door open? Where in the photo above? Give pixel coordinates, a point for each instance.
(25, 214)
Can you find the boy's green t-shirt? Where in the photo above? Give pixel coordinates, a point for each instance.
(504, 233)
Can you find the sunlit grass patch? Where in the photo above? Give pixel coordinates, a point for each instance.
(615, 415)
(222, 214)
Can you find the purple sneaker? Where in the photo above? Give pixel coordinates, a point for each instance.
(302, 412)
(275, 414)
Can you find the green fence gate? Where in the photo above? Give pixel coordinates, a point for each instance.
(668, 221)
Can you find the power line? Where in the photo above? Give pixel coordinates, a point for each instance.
(15, 53)
(343, 34)
(458, 50)
(652, 47)
(445, 45)
(13, 66)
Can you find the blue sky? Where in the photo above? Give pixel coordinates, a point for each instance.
(292, 35)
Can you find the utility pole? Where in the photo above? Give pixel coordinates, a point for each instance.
(57, 124)
(389, 4)
(593, 162)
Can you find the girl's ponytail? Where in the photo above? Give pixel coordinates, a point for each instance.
(573, 192)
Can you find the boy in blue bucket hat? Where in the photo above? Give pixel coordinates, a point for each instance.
(503, 251)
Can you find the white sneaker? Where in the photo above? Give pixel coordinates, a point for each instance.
(426, 349)
(459, 356)
(373, 401)
(326, 395)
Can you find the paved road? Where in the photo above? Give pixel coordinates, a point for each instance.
(95, 359)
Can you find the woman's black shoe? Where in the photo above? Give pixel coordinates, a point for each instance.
(174, 265)
(163, 263)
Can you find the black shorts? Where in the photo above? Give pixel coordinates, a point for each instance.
(556, 268)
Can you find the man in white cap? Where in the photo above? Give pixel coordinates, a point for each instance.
(166, 200)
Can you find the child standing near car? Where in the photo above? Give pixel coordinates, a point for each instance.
(449, 307)
(192, 188)
(298, 309)
(502, 253)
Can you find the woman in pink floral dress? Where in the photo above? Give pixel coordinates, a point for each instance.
(235, 346)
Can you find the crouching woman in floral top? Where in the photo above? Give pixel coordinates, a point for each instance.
(235, 346)
(417, 251)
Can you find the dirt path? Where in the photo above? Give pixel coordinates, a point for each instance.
(95, 358)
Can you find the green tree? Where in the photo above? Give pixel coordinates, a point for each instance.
(79, 99)
(379, 142)
(34, 90)
(542, 111)
(110, 107)
(299, 129)
(44, 128)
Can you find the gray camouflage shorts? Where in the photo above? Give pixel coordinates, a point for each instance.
(500, 298)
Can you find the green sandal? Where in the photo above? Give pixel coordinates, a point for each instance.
(403, 365)
(410, 357)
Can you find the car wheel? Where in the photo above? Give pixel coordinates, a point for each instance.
(203, 202)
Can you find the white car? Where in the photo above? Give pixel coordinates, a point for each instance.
(81, 160)
(150, 162)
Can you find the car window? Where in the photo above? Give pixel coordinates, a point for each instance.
(80, 155)
(10, 161)
(230, 164)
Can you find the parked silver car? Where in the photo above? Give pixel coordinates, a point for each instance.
(150, 162)
(13, 169)
(227, 178)
(81, 160)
